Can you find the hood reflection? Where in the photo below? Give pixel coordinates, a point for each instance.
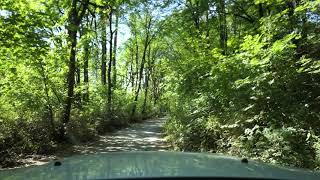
(154, 164)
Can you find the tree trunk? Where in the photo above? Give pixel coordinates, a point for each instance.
(78, 76)
(86, 72)
(194, 7)
(77, 96)
(109, 95)
(154, 86)
(49, 105)
(261, 10)
(72, 67)
(146, 87)
(114, 77)
(137, 64)
(146, 44)
(223, 26)
(131, 70)
(207, 24)
(104, 52)
(292, 21)
(74, 22)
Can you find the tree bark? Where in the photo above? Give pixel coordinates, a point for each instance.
(146, 44)
(131, 70)
(86, 72)
(114, 77)
(136, 73)
(109, 93)
(78, 76)
(223, 26)
(146, 87)
(104, 51)
(74, 21)
(77, 95)
(70, 82)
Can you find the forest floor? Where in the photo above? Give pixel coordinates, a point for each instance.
(144, 136)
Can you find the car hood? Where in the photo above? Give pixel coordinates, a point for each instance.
(155, 164)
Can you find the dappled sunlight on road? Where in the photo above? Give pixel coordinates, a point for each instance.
(146, 136)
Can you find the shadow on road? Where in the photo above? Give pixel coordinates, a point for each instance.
(146, 136)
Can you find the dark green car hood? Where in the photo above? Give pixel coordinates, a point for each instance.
(155, 164)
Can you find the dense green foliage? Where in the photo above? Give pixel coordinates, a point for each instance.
(239, 77)
(55, 57)
(258, 97)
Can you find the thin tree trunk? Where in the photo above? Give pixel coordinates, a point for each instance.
(109, 95)
(261, 10)
(86, 72)
(207, 24)
(137, 65)
(104, 52)
(148, 71)
(131, 70)
(48, 106)
(127, 79)
(97, 65)
(77, 97)
(114, 78)
(146, 44)
(223, 26)
(78, 76)
(151, 76)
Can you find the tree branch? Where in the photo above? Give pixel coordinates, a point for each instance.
(96, 5)
(82, 11)
(249, 19)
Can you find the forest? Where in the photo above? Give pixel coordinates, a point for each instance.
(237, 77)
